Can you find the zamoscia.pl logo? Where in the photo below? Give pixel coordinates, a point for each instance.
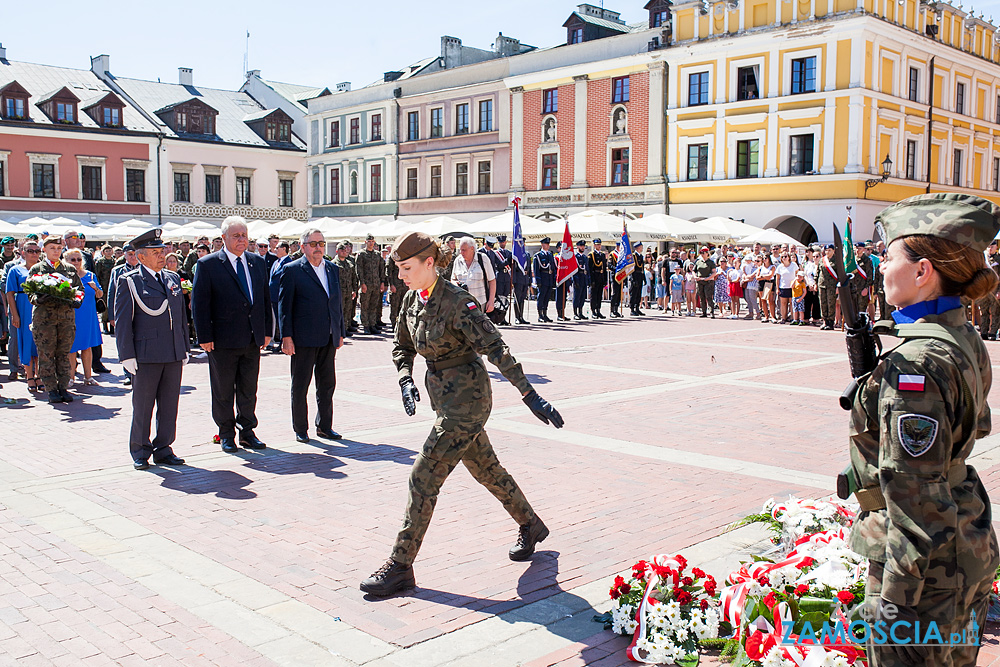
(860, 625)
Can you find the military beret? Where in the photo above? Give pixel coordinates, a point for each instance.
(31, 237)
(52, 239)
(369, 237)
(411, 244)
(7, 239)
(341, 246)
(964, 219)
(501, 238)
(546, 240)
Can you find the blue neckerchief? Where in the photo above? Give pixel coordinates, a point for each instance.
(915, 311)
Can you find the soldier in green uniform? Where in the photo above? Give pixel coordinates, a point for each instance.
(444, 324)
(372, 278)
(397, 288)
(989, 305)
(53, 325)
(826, 280)
(102, 269)
(863, 278)
(348, 283)
(925, 521)
(705, 272)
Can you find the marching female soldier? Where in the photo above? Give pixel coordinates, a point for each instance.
(925, 524)
(444, 324)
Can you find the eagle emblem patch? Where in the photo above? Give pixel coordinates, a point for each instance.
(917, 433)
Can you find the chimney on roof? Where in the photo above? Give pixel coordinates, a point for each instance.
(100, 65)
(3, 52)
(344, 87)
(600, 12)
(185, 76)
(253, 74)
(506, 46)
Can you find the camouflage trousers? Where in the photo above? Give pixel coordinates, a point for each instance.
(952, 610)
(395, 303)
(989, 314)
(348, 314)
(828, 303)
(449, 442)
(371, 307)
(54, 328)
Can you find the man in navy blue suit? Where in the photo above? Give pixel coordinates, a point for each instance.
(231, 306)
(310, 312)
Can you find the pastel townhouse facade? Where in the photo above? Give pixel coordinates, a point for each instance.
(222, 152)
(70, 146)
(786, 113)
(431, 139)
(587, 131)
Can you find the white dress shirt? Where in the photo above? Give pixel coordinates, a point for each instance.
(321, 274)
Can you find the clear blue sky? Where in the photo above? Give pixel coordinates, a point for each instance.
(306, 42)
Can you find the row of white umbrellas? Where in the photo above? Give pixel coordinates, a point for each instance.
(586, 225)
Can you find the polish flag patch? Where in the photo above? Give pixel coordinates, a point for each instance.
(911, 383)
(471, 305)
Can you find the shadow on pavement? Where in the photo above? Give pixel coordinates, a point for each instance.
(83, 411)
(533, 378)
(197, 481)
(278, 462)
(366, 451)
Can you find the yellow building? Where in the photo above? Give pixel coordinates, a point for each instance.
(780, 111)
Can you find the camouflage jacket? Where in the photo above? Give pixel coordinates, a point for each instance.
(860, 282)
(392, 276)
(102, 269)
(68, 270)
(908, 438)
(370, 269)
(348, 275)
(451, 324)
(824, 279)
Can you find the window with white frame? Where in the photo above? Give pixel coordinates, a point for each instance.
(44, 175)
(800, 159)
(914, 88)
(996, 174)
(911, 160)
(747, 158)
(803, 75)
(698, 88)
(747, 86)
(697, 162)
(956, 170)
(462, 178)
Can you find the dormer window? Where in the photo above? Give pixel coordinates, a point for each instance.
(60, 106)
(112, 117)
(15, 102)
(278, 131)
(275, 126)
(65, 112)
(659, 13)
(106, 109)
(190, 117)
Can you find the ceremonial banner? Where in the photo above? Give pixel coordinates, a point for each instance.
(567, 264)
(520, 255)
(850, 261)
(626, 261)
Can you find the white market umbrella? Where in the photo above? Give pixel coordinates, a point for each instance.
(387, 231)
(440, 226)
(734, 228)
(683, 231)
(503, 224)
(770, 237)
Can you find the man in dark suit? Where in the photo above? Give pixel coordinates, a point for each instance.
(151, 331)
(310, 308)
(232, 314)
(543, 266)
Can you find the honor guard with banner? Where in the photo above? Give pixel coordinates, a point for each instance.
(597, 268)
(521, 277)
(151, 331)
(925, 524)
(581, 279)
(543, 266)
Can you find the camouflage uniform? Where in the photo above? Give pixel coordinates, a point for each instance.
(370, 274)
(930, 541)
(53, 326)
(349, 286)
(447, 330)
(395, 298)
(827, 293)
(863, 282)
(989, 306)
(102, 269)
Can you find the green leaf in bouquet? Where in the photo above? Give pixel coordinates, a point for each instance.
(725, 629)
(809, 603)
(815, 619)
(690, 660)
(606, 618)
(713, 643)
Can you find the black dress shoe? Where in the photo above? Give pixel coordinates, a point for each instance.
(66, 396)
(577, 318)
(172, 460)
(229, 445)
(301, 437)
(328, 435)
(101, 369)
(140, 464)
(388, 579)
(250, 441)
(527, 538)
(542, 320)
(127, 382)
(55, 397)
(563, 319)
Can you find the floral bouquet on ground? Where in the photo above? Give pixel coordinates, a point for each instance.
(52, 288)
(666, 610)
(794, 518)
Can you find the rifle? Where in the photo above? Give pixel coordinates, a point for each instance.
(863, 348)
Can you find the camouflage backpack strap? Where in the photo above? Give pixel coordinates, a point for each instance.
(945, 334)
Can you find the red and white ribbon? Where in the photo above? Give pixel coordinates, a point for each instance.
(640, 613)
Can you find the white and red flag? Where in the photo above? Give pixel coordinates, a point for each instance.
(566, 264)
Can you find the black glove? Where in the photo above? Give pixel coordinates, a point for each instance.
(410, 395)
(542, 409)
(909, 653)
(862, 349)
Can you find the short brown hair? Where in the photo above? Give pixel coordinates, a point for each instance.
(962, 269)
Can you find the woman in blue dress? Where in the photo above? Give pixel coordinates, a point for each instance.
(20, 312)
(88, 326)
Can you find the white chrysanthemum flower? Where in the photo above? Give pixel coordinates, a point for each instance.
(773, 659)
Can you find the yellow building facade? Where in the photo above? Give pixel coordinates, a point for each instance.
(779, 111)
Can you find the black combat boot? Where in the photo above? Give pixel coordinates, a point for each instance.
(388, 579)
(527, 538)
(55, 397)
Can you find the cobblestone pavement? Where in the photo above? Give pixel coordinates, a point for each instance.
(675, 427)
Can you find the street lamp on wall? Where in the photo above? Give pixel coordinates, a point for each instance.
(886, 170)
